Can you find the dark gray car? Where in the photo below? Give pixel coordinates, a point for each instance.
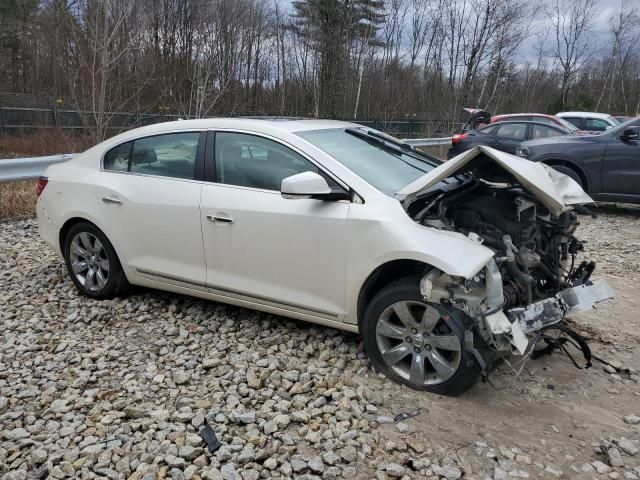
(504, 135)
(607, 166)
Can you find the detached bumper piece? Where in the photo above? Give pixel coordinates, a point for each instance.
(550, 311)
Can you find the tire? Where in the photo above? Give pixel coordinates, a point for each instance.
(436, 343)
(92, 262)
(569, 172)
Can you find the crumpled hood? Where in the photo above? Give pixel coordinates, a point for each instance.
(554, 189)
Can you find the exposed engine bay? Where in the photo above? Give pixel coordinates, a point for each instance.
(535, 252)
(536, 275)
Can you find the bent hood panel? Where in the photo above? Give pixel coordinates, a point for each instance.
(554, 189)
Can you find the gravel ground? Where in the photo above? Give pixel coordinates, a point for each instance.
(122, 388)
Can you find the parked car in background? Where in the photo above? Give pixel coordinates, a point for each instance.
(590, 121)
(536, 117)
(333, 223)
(607, 166)
(479, 118)
(505, 136)
(622, 118)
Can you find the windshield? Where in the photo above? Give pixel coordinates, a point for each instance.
(382, 165)
(622, 126)
(568, 125)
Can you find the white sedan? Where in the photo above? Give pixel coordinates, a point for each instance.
(438, 266)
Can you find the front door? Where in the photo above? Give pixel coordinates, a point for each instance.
(621, 166)
(264, 247)
(150, 204)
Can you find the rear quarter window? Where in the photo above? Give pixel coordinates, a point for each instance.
(117, 159)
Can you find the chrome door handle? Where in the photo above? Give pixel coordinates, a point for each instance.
(115, 201)
(216, 219)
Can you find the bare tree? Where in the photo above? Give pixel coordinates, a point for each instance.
(572, 21)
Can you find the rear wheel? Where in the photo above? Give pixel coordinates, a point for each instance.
(92, 262)
(417, 343)
(569, 172)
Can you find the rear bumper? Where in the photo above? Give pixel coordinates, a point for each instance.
(48, 230)
(552, 310)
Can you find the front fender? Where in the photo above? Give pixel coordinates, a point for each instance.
(451, 252)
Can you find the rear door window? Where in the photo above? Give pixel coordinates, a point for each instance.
(575, 121)
(515, 131)
(595, 125)
(171, 155)
(488, 130)
(543, 131)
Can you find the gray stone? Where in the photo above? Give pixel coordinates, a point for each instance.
(18, 434)
(247, 454)
(613, 454)
(298, 463)
(448, 471)
(38, 456)
(627, 446)
(395, 470)
(242, 417)
(632, 419)
(228, 472)
(315, 464)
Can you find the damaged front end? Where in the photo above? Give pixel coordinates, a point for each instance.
(527, 214)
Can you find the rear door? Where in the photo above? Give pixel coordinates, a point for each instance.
(538, 131)
(150, 203)
(508, 136)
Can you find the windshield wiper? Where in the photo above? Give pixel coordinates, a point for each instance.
(377, 139)
(392, 143)
(382, 142)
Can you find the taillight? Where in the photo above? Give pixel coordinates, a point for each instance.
(458, 138)
(42, 182)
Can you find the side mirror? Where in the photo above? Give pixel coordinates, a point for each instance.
(631, 133)
(304, 185)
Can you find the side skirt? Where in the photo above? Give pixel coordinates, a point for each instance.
(232, 297)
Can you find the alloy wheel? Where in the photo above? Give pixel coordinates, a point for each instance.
(89, 261)
(417, 344)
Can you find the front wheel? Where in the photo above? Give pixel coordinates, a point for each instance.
(92, 262)
(569, 172)
(417, 343)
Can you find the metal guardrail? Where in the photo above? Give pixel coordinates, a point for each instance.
(427, 142)
(18, 169)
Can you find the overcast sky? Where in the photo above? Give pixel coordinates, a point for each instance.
(599, 33)
(600, 29)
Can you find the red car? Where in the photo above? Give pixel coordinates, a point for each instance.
(535, 117)
(481, 117)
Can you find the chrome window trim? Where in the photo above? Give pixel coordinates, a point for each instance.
(156, 134)
(284, 144)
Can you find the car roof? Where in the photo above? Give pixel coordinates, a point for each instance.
(604, 116)
(265, 125)
(288, 124)
(523, 115)
(519, 122)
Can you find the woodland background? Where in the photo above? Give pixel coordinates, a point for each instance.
(350, 59)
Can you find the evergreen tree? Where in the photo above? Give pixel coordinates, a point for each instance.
(332, 26)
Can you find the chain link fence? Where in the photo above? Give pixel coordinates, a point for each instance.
(23, 112)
